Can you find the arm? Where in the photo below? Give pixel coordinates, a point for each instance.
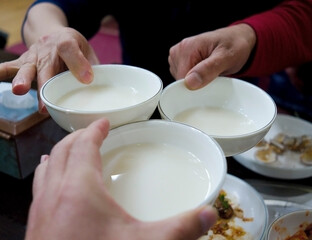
(284, 38)
(259, 45)
(53, 48)
(35, 25)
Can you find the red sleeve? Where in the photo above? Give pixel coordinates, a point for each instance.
(284, 38)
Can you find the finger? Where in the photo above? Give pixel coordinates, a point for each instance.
(39, 176)
(22, 81)
(178, 71)
(205, 71)
(179, 61)
(186, 54)
(189, 225)
(78, 150)
(51, 173)
(46, 71)
(42, 108)
(59, 156)
(92, 57)
(172, 64)
(75, 60)
(85, 153)
(26, 72)
(8, 69)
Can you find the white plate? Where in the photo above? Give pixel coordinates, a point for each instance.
(288, 166)
(251, 202)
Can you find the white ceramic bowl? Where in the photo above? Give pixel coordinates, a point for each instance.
(289, 224)
(121, 93)
(161, 182)
(238, 100)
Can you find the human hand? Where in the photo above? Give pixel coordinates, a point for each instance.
(201, 58)
(70, 200)
(50, 55)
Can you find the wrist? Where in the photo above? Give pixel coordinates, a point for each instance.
(49, 15)
(250, 37)
(248, 34)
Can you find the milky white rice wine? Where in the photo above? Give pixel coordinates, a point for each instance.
(101, 97)
(217, 121)
(154, 181)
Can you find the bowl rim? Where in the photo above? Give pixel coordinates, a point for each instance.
(284, 216)
(255, 132)
(151, 122)
(86, 112)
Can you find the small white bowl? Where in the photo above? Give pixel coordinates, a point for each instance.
(231, 100)
(162, 168)
(121, 93)
(289, 224)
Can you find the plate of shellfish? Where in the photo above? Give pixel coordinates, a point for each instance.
(285, 152)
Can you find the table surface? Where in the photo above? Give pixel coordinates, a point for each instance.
(16, 194)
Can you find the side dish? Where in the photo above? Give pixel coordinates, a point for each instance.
(302, 234)
(226, 227)
(300, 148)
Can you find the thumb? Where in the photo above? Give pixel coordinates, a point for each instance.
(189, 225)
(205, 72)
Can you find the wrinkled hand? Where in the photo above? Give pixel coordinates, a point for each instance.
(50, 55)
(70, 200)
(201, 58)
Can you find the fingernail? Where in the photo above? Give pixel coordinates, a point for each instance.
(86, 76)
(44, 158)
(43, 109)
(18, 87)
(193, 81)
(208, 216)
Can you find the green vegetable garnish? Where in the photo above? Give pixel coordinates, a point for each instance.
(225, 203)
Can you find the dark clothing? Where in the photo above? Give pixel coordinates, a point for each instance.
(148, 28)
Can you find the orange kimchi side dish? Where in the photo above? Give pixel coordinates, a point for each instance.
(302, 234)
